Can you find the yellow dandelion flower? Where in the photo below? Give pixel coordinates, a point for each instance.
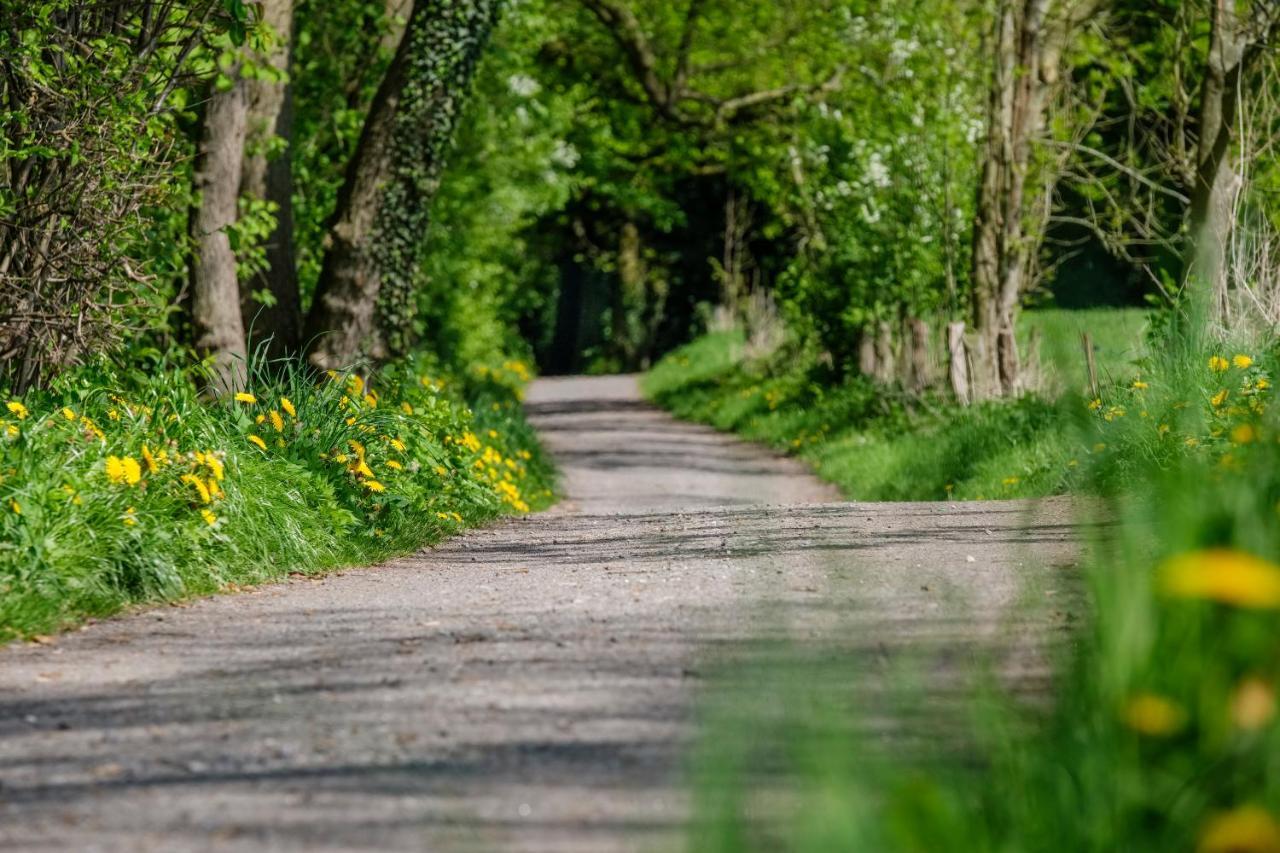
(15, 506)
(68, 413)
(245, 397)
(287, 405)
(1262, 384)
(361, 469)
(441, 470)
(1153, 715)
(1246, 829)
(1218, 399)
(371, 400)
(374, 486)
(123, 470)
(1223, 575)
(1218, 364)
(1139, 385)
(209, 518)
(394, 465)
(130, 517)
(276, 420)
(1095, 404)
(260, 420)
(397, 444)
(357, 447)
(201, 489)
(214, 464)
(351, 420)
(1244, 434)
(406, 408)
(257, 440)
(1242, 361)
(17, 409)
(356, 384)
(1011, 481)
(1163, 429)
(493, 433)
(215, 491)
(12, 431)
(150, 460)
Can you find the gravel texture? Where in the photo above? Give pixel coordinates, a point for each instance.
(529, 686)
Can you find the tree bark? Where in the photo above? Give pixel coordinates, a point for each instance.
(275, 328)
(1214, 188)
(363, 307)
(1029, 38)
(215, 293)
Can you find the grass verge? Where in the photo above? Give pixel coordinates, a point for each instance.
(877, 443)
(1163, 733)
(118, 487)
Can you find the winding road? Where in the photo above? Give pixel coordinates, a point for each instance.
(530, 686)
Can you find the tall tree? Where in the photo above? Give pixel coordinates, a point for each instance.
(1235, 43)
(363, 301)
(218, 331)
(1029, 39)
(270, 303)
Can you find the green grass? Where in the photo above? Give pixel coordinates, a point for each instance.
(1163, 731)
(118, 488)
(877, 443)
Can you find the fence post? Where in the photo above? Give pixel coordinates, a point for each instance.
(918, 333)
(959, 357)
(1086, 340)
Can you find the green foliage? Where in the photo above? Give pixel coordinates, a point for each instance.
(878, 443)
(121, 486)
(1162, 732)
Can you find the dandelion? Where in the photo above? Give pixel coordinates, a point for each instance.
(1218, 399)
(1245, 829)
(277, 421)
(1244, 434)
(406, 408)
(214, 464)
(1011, 481)
(15, 506)
(1242, 361)
(209, 518)
(493, 433)
(68, 413)
(201, 489)
(1262, 384)
(17, 409)
(1223, 575)
(150, 460)
(260, 420)
(1253, 704)
(1218, 364)
(287, 405)
(257, 440)
(123, 470)
(371, 400)
(1139, 385)
(12, 431)
(1095, 404)
(397, 444)
(246, 397)
(374, 486)
(394, 465)
(1153, 715)
(441, 470)
(130, 517)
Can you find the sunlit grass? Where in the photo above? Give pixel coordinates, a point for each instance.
(118, 488)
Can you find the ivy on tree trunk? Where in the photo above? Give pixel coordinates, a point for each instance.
(363, 306)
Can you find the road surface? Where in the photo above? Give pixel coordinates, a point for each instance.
(529, 686)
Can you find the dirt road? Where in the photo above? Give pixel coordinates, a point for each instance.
(524, 687)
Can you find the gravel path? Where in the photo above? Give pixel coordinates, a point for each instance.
(523, 687)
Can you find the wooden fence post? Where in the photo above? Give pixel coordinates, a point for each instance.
(958, 355)
(1091, 364)
(918, 335)
(884, 353)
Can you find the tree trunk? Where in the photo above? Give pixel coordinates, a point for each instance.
(1216, 182)
(1030, 36)
(277, 326)
(364, 298)
(215, 293)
